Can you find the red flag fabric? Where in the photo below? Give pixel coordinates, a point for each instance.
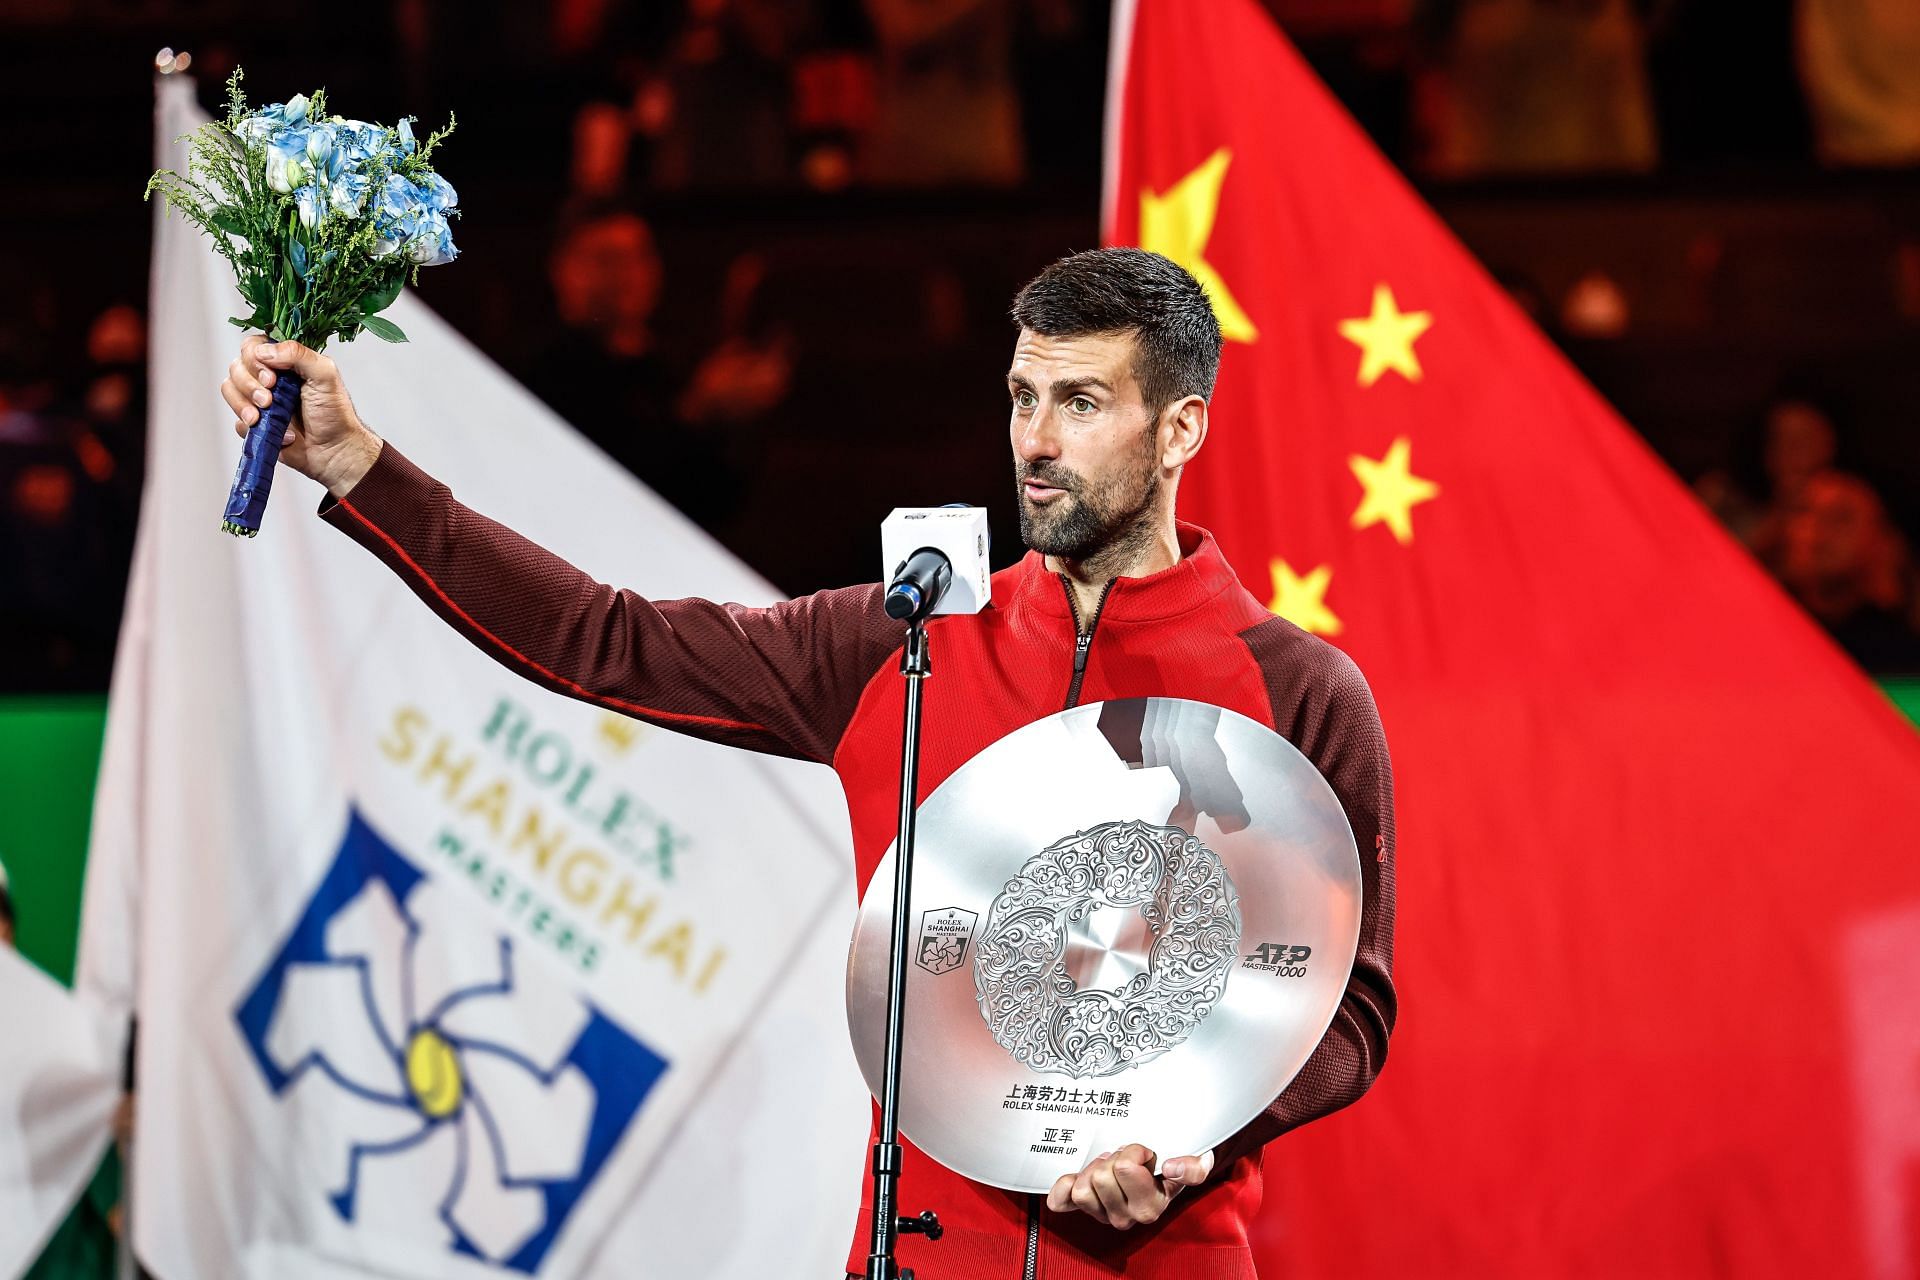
(1659, 877)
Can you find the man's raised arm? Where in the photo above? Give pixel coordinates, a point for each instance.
(783, 679)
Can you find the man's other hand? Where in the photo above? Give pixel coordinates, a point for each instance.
(1120, 1189)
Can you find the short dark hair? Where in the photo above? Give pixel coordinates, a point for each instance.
(1175, 334)
(585, 211)
(6, 905)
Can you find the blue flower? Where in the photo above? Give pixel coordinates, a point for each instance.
(320, 147)
(438, 193)
(360, 140)
(396, 214)
(399, 198)
(311, 201)
(412, 217)
(405, 132)
(287, 164)
(267, 121)
(333, 157)
(434, 245)
(348, 192)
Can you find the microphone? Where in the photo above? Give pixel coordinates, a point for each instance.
(920, 583)
(934, 560)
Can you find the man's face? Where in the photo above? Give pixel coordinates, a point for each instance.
(1800, 443)
(1086, 464)
(1832, 534)
(607, 274)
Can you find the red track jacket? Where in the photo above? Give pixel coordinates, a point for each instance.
(816, 678)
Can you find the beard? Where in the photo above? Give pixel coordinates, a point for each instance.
(1089, 520)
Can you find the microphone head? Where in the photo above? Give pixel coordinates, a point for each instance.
(903, 600)
(919, 584)
(960, 534)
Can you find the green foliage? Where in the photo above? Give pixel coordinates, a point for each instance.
(381, 327)
(418, 164)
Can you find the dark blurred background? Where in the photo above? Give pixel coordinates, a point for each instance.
(762, 250)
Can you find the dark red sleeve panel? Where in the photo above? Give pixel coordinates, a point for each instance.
(1321, 703)
(783, 679)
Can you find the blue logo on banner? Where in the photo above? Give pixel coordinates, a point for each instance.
(439, 1065)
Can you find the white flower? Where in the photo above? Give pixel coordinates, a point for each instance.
(287, 165)
(311, 201)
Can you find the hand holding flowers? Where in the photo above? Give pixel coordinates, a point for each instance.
(324, 219)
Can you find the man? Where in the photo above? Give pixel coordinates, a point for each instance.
(604, 369)
(1843, 558)
(1111, 373)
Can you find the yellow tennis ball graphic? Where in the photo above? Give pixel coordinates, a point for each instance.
(433, 1073)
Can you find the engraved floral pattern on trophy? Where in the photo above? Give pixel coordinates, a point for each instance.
(1031, 1002)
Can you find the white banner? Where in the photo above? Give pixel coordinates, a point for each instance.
(439, 974)
(59, 1081)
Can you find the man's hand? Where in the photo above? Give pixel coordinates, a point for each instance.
(326, 440)
(1119, 1188)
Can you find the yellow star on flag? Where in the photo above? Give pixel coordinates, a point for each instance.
(1302, 601)
(1392, 490)
(1386, 338)
(1177, 224)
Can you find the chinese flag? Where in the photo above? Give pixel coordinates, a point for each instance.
(1659, 841)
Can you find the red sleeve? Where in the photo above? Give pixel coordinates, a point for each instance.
(1321, 703)
(782, 680)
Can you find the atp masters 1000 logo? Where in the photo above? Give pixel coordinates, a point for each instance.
(482, 1097)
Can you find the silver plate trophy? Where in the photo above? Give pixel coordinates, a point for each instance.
(1132, 922)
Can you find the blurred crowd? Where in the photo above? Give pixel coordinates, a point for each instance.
(1822, 530)
(698, 95)
(72, 437)
(685, 325)
(1478, 88)
(687, 423)
(901, 93)
(758, 93)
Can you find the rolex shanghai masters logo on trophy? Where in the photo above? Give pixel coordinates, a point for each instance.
(945, 934)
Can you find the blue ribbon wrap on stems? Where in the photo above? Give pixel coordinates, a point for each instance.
(247, 500)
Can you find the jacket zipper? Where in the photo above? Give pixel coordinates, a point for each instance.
(1033, 1237)
(1083, 640)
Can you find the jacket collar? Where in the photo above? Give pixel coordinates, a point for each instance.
(1196, 580)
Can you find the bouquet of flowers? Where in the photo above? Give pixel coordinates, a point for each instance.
(324, 219)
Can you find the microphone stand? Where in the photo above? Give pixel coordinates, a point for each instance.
(888, 1226)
